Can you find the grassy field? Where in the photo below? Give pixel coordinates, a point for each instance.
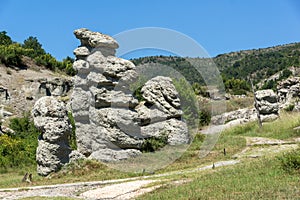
(282, 128)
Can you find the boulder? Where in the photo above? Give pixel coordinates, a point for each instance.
(161, 93)
(242, 115)
(111, 155)
(175, 130)
(267, 104)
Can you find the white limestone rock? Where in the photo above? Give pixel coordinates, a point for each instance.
(95, 39)
(51, 117)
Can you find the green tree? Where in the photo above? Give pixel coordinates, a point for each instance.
(33, 43)
(5, 39)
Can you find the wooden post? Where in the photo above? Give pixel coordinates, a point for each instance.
(256, 105)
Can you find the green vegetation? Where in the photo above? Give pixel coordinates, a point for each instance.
(5, 39)
(236, 86)
(18, 149)
(72, 140)
(188, 102)
(153, 144)
(272, 83)
(260, 63)
(290, 161)
(12, 54)
(282, 128)
(179, 64)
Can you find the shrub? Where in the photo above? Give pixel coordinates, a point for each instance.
(204, 117)
(290, 161)
(48, 61)
(72, 140)
(153, 144)
(12, 55)
(19, 148)
(188, 100)
(289, 108)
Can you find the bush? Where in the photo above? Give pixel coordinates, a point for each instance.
(12, 55)
(72, 140)
(19, 148)
(153, 144)
(290, 161)
(289, 108)
(204, 117)
(236, 86)
(189, 102)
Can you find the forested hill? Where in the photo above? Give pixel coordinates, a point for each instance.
(257, 63)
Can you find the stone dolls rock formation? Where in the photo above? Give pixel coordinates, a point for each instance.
(51, 118)
(111, 124)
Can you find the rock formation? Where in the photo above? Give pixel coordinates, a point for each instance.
(54, 87)
(289, 93)
(111, 124)
(235, 117)
(268, 106)
(51, 118)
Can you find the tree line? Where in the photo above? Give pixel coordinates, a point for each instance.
(12, 54)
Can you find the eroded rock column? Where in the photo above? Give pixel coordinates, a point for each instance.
(51, 118)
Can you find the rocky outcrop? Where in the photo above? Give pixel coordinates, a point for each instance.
(54, 87)
(267, 103)
(289, 93)
(235, 117)
(50, 117)
(111, 124)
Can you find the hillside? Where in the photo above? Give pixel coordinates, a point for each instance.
(259, 64)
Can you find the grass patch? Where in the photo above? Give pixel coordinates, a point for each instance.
(258, 179)
(282, 128)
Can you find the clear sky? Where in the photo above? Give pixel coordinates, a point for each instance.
(220, 26)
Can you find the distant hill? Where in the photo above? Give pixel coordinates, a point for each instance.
(259, 64)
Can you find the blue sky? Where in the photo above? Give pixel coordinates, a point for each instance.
(220, 26)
